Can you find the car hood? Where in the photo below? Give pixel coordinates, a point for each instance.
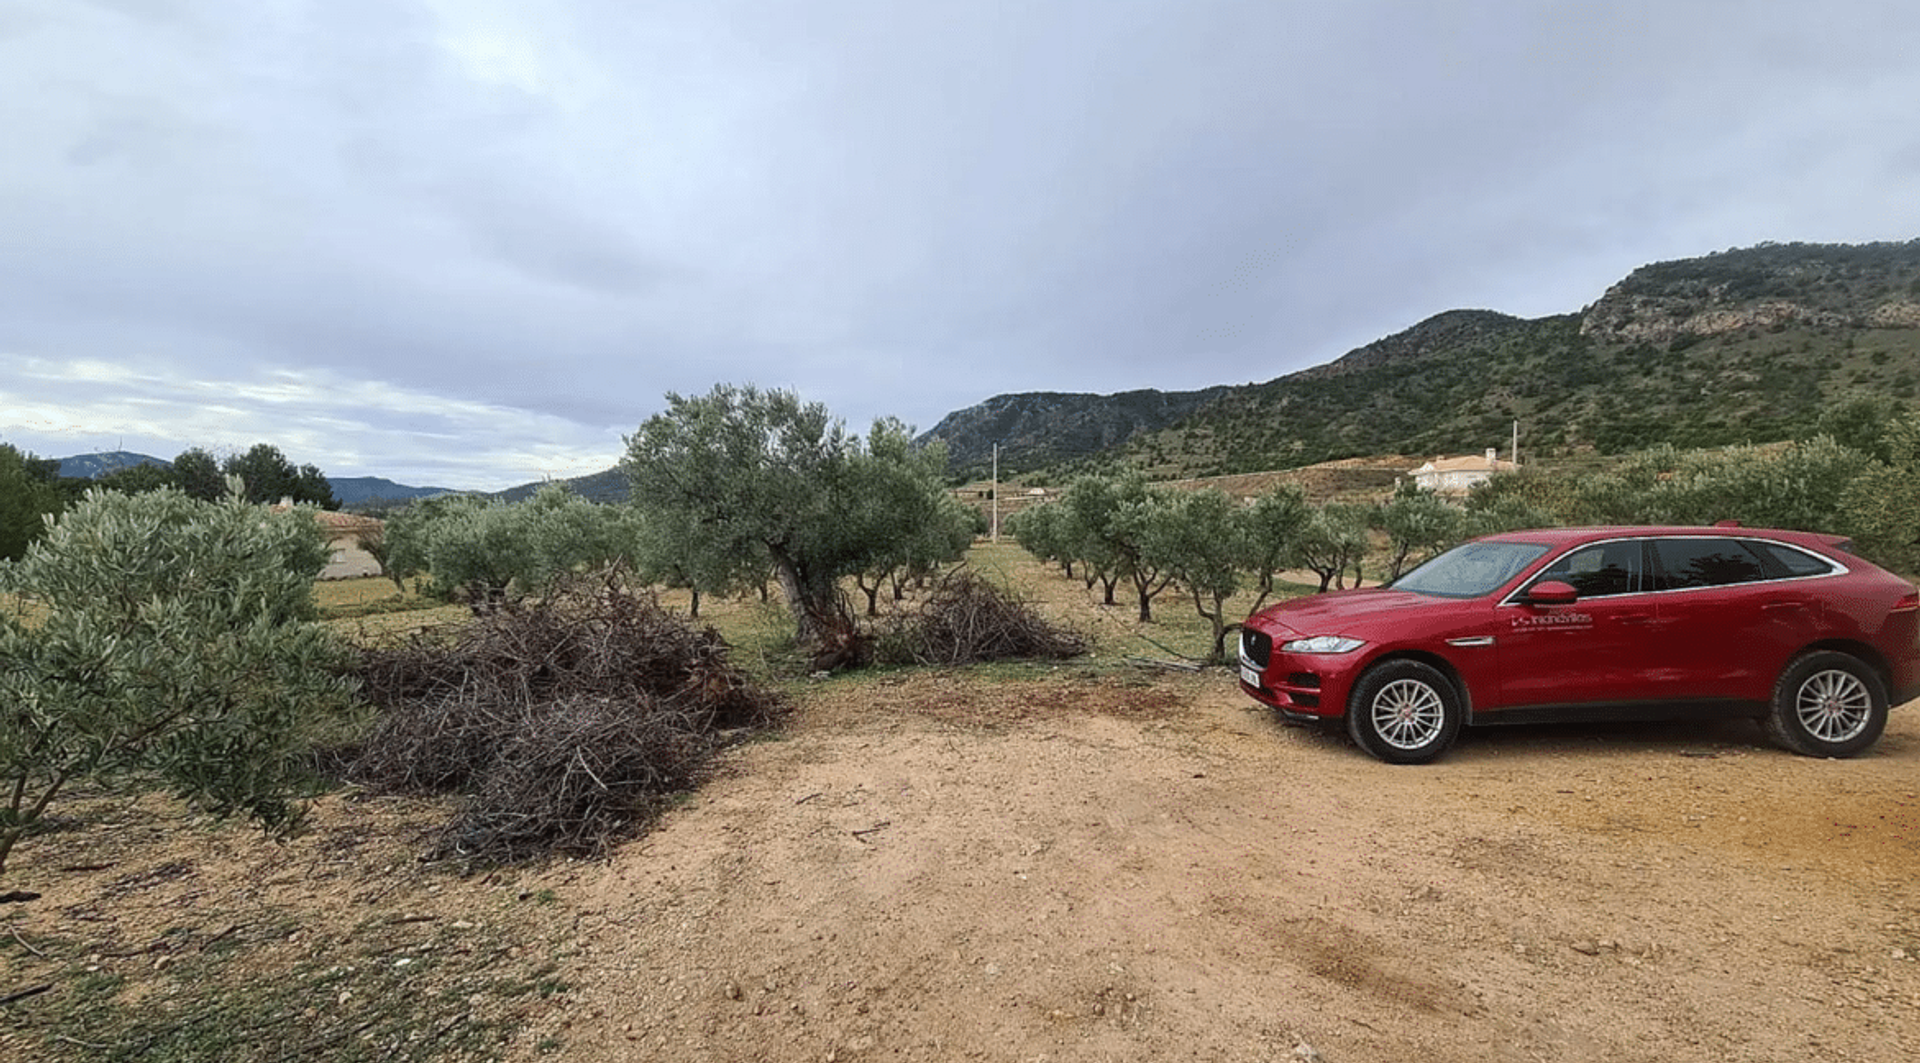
(1348, 612)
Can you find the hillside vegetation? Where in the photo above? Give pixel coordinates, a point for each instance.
(1741, 346)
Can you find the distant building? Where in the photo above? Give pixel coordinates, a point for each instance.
(1454, 477)
(350, 560)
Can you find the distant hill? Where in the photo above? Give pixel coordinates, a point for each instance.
(1737, 346)
(1039, 427)
(609, 485)
(368, 491)
(93, 466)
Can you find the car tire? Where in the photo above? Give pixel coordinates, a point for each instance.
(1827, 704)
(1404, 712)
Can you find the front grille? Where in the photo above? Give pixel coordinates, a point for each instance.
(1256, 646)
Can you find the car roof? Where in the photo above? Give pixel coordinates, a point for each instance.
(1570, 536)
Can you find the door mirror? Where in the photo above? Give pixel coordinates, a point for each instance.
(1551, 592)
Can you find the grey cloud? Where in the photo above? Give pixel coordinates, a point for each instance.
(568, 209)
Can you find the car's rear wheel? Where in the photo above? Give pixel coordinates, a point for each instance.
(1404, 712)
(1827, 704)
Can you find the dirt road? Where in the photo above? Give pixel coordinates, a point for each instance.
(1058, 867)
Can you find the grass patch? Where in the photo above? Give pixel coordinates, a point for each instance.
(348, 951)
(361, 998)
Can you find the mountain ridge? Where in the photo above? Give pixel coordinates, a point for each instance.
(1737, 346)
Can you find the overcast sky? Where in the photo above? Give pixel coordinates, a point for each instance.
(472, 243)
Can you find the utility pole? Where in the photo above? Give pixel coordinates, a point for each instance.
(1515, 452)
(993, 492)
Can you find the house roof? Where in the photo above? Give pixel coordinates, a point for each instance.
(1475, 463)
(337, 523)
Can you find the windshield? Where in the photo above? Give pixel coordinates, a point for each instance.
(1470, 569)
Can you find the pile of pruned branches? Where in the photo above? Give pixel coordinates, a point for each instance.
(967, 619)
(564, 724)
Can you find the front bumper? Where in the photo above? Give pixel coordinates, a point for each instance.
(1302, 686)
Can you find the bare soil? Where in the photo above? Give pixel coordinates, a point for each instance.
(1078, 863)
(1066, 869)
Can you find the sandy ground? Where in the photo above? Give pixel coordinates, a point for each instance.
(1079, 870)
(1054, 865)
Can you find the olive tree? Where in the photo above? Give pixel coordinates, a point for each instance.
(1275, 523)
(921, 525)
(1203, 540)
(1041, 531)
(1333, 541)
(1418, 525)
(162, 634)
(667, 552)
(760, 476)
(1108, 517)
(494, 552)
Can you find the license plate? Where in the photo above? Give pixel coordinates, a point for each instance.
(1250, 675)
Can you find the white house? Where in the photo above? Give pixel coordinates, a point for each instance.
(350, 559)
(1456, 476)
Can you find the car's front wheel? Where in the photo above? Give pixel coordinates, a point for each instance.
(1404, 712)
(1827, 704)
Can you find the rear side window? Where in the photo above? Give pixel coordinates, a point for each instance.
(1701, 562)
(1599, 570)
(1795, 562)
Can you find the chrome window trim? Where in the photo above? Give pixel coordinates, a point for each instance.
(1835, 567)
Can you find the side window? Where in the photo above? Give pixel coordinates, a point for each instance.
(1795, 562)
(1702, 562)
(1600, 569)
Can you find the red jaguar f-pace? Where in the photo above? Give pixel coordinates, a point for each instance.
(1627, 623)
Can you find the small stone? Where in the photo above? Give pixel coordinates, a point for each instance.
(1306, 1053)
(731, 989)
(1586, 948)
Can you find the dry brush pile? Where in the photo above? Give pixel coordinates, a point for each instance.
(563, 724)
(967, 619)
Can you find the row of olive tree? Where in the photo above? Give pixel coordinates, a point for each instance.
(492, 552)
(1118, 528)
(729, 489)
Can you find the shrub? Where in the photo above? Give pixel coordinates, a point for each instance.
(171, 636)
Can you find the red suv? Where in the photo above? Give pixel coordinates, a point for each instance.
(1600, 624)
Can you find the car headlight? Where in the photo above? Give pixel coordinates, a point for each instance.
(1323, 644)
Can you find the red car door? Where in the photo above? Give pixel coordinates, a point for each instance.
(1729, 625)
(1600, 649)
